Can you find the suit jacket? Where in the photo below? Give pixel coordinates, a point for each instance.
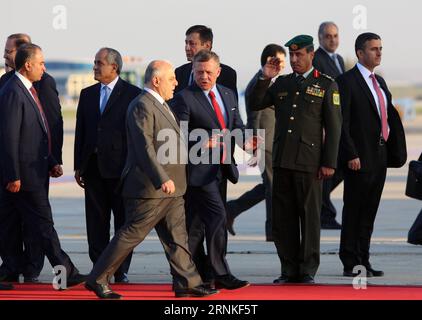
(362, 124)
(103, 134)
(49, 97)
(24, 151)
(145, 171)
(303, 112)
(227, 77)
(325, 64)
(262, 119)
(192, 105)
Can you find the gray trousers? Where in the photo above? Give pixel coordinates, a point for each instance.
(167, 216)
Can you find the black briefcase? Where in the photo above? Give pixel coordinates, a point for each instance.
(415, 233)
(414, 180)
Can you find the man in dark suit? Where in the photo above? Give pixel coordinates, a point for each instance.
(306, 139)
(372, 139)
(199, 37)
(101, 149)
(26, 161)
(207, 106)
(153, 189)
(327, 61)
(258, 120)
(32, 255)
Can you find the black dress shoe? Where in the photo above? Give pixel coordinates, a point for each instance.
(121, 279)
(374, 273)
(307, 279)
(103, 291)
(285, 279)
(230, 282)
(9, 278)
(31, 280)
(198, 291)
(349, 273)
(76, 279)
(6, 286)
(331, 225)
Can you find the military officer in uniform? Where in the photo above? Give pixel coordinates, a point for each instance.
(306, 141)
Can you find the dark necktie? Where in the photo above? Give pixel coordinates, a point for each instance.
(383, 110)
(300, 79)
(43, 117)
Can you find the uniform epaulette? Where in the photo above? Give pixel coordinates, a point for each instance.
(327, 76)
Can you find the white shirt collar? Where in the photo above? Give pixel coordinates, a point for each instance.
(364, 71)
(213, 89)
(155, 95)
(307, 73)
(25, 81)
(111, 85)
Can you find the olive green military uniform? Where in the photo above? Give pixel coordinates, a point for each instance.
(307, 134)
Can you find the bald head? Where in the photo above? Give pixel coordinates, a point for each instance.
(160, 77)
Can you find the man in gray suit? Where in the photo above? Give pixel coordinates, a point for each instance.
(153, 190)
(262, 119)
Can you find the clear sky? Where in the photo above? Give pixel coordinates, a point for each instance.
(154, 29)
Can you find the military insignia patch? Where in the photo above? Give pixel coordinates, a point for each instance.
(315, 91)
(336, 99)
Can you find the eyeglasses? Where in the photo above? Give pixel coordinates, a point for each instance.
(9, 51)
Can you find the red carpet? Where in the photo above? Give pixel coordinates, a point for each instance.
(254, 292)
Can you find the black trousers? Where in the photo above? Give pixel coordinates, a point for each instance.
(29, 252)
(206, 213)
(167, 216)
(101, 199)
(328, 211)
(296, 221)
(262, 191)
(362, 194)
(35, 210)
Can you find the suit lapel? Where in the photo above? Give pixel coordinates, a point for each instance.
(187, 75)
(95, 96)
(164, 112)
(330, 62)
(341, 61)
(224, 96)
(199, 95)
(33, 103)
(365, 88)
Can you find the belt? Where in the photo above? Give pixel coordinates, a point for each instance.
(381, 141)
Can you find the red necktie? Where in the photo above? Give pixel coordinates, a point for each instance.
(217, 110)
(384, 124)
(44, 118)
(221, 121)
